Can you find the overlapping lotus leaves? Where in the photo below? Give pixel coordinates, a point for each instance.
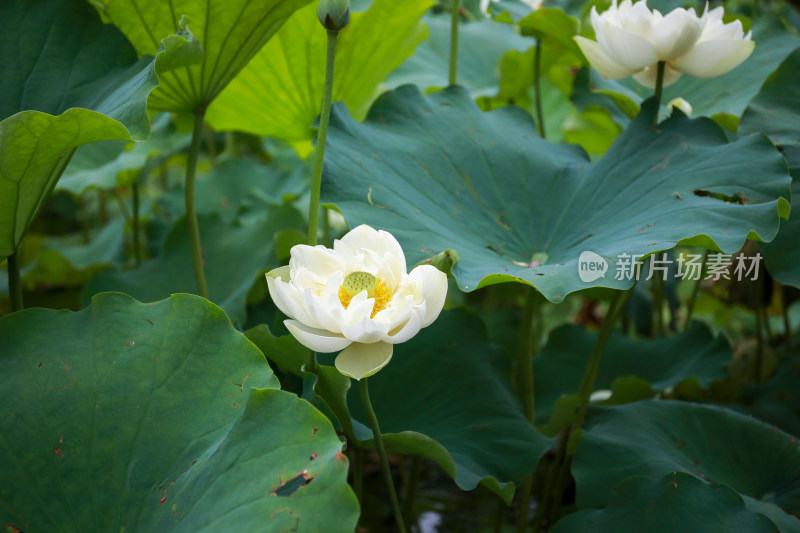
(716, 445)
(774, 110)
(230, 33)
(662, 363)
(469, 423)
(68, 80)
(157, 417)
(280, 90)
(232, 263)
(438, 173)
(782, 256)
(675, 502)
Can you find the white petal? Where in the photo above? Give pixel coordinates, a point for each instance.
(287, 298)
(320, 311)
(600, 61)
(638, 18)
(434, 290)
(360, 308)
(317, 340)
(318, 261)
(675, 34)
(380, 242)
(410, 328)
(399, 312)
(712, 58)
(648, 76)
(284, 272)
(366, 330)
(363, 360)
(625, 47)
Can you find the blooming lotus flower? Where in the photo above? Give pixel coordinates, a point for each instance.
(356, 299)
(632, 40)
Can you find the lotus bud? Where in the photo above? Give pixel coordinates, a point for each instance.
(334, 14)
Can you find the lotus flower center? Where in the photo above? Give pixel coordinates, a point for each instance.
(357, 282)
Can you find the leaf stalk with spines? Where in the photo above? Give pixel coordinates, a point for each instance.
(191, 212)
(378, 438)
(319, 155)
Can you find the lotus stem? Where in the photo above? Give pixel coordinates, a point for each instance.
(761, 320)
(659, 86)
(14, 284)
(537, 74)
(84, 214)
(525, 503)
(499, 516)
(454, 43)
(787, 325)
(358, 474)
(137, 239)
(528, 345)
(191, 213)
(411, 489)
(696, 291)
(658, 304)
(590, 374)
(319, 155)
(376, 433)
(326, 228)
(563, 455)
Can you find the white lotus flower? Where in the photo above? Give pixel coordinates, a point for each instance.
(356, 298)
(720, 48)
(631, 40)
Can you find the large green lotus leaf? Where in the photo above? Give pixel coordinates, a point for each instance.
(729, 93)
(68, 80)
(675, 502)
(442, 397)
(481, 45)
(438, 173)
(147, 417)
(280, 91)
(662, 362)
(654, 438)
(782, 256)
(234, 254)
(231, 32)
(108, 164)
(774, 111)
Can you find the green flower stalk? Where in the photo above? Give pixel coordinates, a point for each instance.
(333, 15)
(191, 212)
(378, 438)
(14, 284)
(452, 74)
